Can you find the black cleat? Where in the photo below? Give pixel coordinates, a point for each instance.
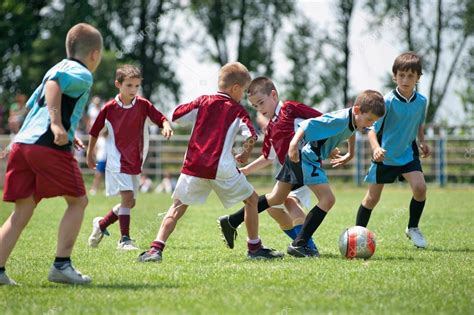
(302, 251)
(265, 253)
(228, 232)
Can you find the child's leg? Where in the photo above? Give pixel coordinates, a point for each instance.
(298, 217)
(417, 204)
(251, 216)
(95, 183)
(14, 225)
(126, 205)
(368, 204)
(282, 218)
(70, 225)
(175, 212)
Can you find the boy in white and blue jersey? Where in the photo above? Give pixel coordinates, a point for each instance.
(395, 151)
(320, 136)
(41, 163)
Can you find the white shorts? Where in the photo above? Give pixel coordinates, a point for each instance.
(192, 190)
(117, 182)
(302, 194)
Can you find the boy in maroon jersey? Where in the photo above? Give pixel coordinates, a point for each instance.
(127, 142)
(209, 163)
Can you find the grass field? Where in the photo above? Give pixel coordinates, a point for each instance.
(200, 276)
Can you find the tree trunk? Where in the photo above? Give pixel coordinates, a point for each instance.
(433, 99)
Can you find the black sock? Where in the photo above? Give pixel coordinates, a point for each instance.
(311, 223)
(60, 262)
(2, 269)
(416, 209)
(363, 216)
(237, 218)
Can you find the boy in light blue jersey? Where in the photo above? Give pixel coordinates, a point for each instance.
(395, 151)
(41, 163)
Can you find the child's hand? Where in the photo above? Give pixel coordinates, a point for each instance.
(340, 160)
(60, 135)
(425, 150)
(293, 153)
(244, 170)
(379, 154)
(90, 161)
(78, 144)
(334, 153)
(167, 132)
(242, 157)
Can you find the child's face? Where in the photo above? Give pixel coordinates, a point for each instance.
(364, 120)
(406, 81)
(128, 88)
(237, 92)
(265, 104)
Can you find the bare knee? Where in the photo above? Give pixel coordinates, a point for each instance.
(79, 202)
(371, 200)
(419, 191)
(128, 200)
(252, 200)
(327, 201)
(274, 200)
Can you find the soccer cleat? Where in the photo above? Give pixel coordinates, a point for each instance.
(302, 251)
(5, 280)
(265, 253)
(229, 233)
(97, 234)
(416, 237)
(126, 243)
(68, 274)
(152, 254)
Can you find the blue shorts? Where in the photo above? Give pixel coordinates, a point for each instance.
(100, 167)
(380, 173)
(307, 171)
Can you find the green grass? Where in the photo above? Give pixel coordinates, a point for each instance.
(200, 276)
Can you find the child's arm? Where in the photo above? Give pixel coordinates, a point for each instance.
(293, 151)
(167, 131)
(246, 150)
(53, 101)
(90, 152)
(378, 152)
(425, 149)
(259, 163)
(340, 160)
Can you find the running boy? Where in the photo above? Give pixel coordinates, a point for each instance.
(395, 151)
(284, 118)
(41, 163)
(124, 117)
(209, 163)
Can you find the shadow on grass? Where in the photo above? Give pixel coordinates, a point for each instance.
(450, 250)
(117, 286)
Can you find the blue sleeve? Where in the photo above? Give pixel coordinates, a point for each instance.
(73, 82)
(31, 101)
(378, 124)
(322, 127)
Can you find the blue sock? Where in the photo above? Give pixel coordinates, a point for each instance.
(291, 233)
(310, 242)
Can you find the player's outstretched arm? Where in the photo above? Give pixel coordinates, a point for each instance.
(53, 101)
(425, 149)
(293, 152)
(378, 152)
(247, 148)
(340, 160)
(90, 152)
(257, 164)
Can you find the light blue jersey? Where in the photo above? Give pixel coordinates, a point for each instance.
(75, 81)
(397, 130)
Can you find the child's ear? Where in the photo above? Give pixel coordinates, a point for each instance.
(117, 84)
(356, 109)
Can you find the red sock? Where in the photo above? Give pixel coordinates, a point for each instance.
(124, 221)
(254, 247)
(158, 245)
(109, 219)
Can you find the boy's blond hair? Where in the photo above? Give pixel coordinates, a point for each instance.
(233, 73)
(262, 85)
(127, 72)
(371, 101)
(407, 61)
(81, 39)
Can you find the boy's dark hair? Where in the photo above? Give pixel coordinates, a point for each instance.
(263, 85)
(371, 101)
(407, 61)
(127, 72)
(233, 73)
(81, 39)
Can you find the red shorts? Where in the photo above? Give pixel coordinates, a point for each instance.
(41, 172)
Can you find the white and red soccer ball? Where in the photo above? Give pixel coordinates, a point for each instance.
(357, 242)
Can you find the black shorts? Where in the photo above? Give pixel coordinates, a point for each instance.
(380, 173)
(291, 173)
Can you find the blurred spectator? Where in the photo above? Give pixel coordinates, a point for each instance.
(17, 114)
(145, 183)
(167, 184)
(100, 157)
(92, 111)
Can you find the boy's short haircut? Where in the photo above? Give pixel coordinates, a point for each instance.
(407, 61)
(127, 72)
(371, 101)
(233, 73)
(81, 39)
(262, 85)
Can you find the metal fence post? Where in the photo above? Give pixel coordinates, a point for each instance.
(441, 161)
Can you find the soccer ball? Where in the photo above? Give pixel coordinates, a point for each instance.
(357, 242)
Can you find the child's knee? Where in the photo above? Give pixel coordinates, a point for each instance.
(419, 191)
(327, 201)
(81, 202)
(252, 200)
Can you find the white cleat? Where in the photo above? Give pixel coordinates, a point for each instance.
(67, 275)
(96, 235)
(126, 244)
(416, 237)
(5, 280)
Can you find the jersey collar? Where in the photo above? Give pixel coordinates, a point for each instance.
(277, 111)
(79, 62)
(351, 125)
(223, 94)
(119, 102)
(402, 98)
